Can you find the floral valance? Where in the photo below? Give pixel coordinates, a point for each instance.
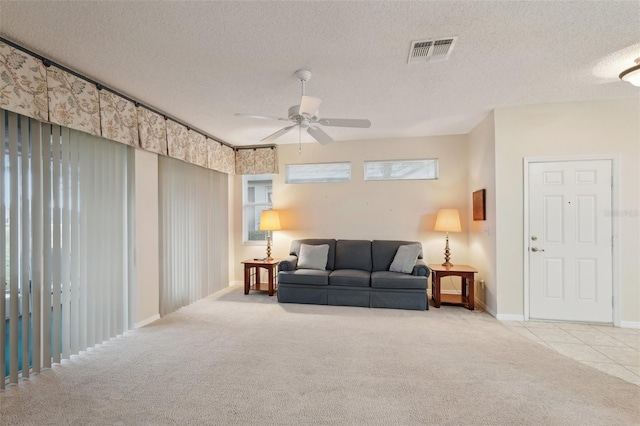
(47, 93)
(266, 160)
(177, 140)
(250, 161)
(118, 119)
(152, 130)
(197, 149)
(244, 162)
(227, 160)
(23, 83)
(73, 102)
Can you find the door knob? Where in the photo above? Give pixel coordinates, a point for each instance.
(535, 249)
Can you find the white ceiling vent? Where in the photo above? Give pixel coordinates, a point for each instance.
(431, 50)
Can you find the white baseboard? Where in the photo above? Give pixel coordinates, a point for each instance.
(481, 305)
(510, 317)
(232, 283)
(148, 321)
(629, 324)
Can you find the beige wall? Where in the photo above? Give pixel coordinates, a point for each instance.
(146, 251)
(367, 210)
(606, 128)
(482, 234)
(490, 157)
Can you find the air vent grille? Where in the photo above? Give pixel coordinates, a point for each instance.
(421, 49)
(431, 50)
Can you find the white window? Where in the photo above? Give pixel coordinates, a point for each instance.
(257, 193)
(318, 173)
(401, 169)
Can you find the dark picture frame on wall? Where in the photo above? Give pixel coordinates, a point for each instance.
(479, 210)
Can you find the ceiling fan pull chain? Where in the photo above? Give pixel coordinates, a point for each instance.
(300, 139)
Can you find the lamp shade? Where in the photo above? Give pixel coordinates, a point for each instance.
(270, 220)
(448, 220)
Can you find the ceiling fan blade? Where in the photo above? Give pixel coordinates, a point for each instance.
(309, 106)
(262, 117)
(345, 122)
(319, 135)
(277, 134)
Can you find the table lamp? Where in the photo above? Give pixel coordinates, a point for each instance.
(269, 221)
(448, 220)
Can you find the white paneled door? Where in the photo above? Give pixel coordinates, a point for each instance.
(570, 241)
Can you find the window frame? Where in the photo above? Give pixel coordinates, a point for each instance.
(425, 160)
(288, 167)
(246, 204)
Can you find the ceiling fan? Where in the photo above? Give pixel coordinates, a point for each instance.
(305, 116)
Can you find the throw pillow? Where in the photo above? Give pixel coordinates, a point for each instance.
(313, 257)
(405, 258)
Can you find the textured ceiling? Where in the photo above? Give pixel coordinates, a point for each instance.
(201, 62)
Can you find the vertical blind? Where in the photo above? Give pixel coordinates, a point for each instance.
(194, 248)
(65, 243)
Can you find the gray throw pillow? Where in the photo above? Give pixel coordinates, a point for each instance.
(313, 257)
(405, 258)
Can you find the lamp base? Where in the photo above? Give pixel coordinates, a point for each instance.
(268, 248)
(447, 254)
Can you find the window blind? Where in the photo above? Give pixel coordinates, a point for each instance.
(194, 246)
(65, 243)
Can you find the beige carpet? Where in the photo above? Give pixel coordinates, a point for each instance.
(235, 359)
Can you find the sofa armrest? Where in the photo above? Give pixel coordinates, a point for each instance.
(288, 264)
(421, 269)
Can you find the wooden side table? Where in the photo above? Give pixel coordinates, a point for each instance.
(255, 264)
(465, 272)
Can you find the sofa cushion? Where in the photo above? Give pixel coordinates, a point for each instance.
(313, 257)
(383, 252)
(353, 254)
(397, 280)
(295, 248)
(350, 277)
(304, 276)
(405, 258)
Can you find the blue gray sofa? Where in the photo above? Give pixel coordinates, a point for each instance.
(356, 274)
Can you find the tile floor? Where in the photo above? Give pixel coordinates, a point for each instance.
(615, 351)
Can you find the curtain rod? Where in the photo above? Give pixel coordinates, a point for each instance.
(48, 62)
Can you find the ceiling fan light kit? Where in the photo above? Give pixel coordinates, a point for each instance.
(305, 116)
(632, 75)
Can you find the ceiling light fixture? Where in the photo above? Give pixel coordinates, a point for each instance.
(305, 117)
(632, 75)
